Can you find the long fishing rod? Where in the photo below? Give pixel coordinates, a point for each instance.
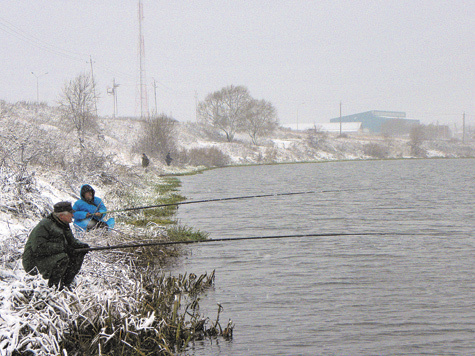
(231, 198)
(167, 243)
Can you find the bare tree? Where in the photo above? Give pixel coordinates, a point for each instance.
(3, 108)
(260, 119)
(158, 136)
(24, 144)
(225, 109)
(416, 137)
(78, 104)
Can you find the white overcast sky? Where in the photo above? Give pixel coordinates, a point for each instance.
(305, 57)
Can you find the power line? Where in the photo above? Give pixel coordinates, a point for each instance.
(38, 43)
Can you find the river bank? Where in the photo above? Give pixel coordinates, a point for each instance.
(42, 165)
(120, 297)
(117, 282)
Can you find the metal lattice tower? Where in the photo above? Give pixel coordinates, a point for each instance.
(143, 82)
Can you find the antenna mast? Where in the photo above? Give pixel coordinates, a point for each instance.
(143, 83)
(113, 91)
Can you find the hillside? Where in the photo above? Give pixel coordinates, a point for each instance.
(43, 162)
(283, 146)
(117, 137)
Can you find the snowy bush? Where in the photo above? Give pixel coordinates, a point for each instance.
(158, 137)
(206, 156)
(375, 150)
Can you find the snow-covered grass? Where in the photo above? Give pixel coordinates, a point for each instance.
(35, 317)
(107, 303)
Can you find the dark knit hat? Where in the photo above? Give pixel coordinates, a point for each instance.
(63, 206)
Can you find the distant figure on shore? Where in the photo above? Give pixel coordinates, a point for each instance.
(145, 161)
(51, 248)
(168, 159)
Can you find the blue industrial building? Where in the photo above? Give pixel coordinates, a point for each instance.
(373, 120)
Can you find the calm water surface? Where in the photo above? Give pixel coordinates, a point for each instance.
(408, 292)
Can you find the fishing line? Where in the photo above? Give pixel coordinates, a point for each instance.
(231, 198)
(168, 243)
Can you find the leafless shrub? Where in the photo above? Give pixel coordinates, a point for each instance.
(4, 108)
(20, 195)
(91, 162)
(24, 144)
(158, 137)
(316, 138)
(78, 102)
(207, 156)
(416, 138)
(270, 154)
(375, 150)
(21, 146)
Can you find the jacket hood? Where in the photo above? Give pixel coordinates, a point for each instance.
(87, 188)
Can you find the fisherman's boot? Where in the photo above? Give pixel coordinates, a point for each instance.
(57, 273)
(67, 281)
(75, 263)
(53, 282)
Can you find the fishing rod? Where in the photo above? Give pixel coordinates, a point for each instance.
(231, 198)
(168, 243)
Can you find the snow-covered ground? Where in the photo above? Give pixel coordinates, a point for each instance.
(47, 185)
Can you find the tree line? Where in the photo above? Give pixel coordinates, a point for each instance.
(224, 113)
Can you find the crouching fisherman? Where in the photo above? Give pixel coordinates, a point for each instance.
(90, 211)
(50, 248)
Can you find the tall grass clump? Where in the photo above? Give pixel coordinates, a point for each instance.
(162, 320)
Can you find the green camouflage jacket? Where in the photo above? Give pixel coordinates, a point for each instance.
(46, 245)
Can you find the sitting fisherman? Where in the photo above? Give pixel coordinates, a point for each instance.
(90, 211)
(145, 161)
(51, 248)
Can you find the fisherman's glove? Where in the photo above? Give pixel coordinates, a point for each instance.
(70, 250)
(73, 249)
(79, 245)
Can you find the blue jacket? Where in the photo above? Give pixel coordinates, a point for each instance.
(82, 207)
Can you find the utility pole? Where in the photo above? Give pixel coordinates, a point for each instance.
(155, 94)
(38, 86)
(113, 91)
(196, 106)
(93, 85)
(298, 107)
(463, 128)
(340, 119)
